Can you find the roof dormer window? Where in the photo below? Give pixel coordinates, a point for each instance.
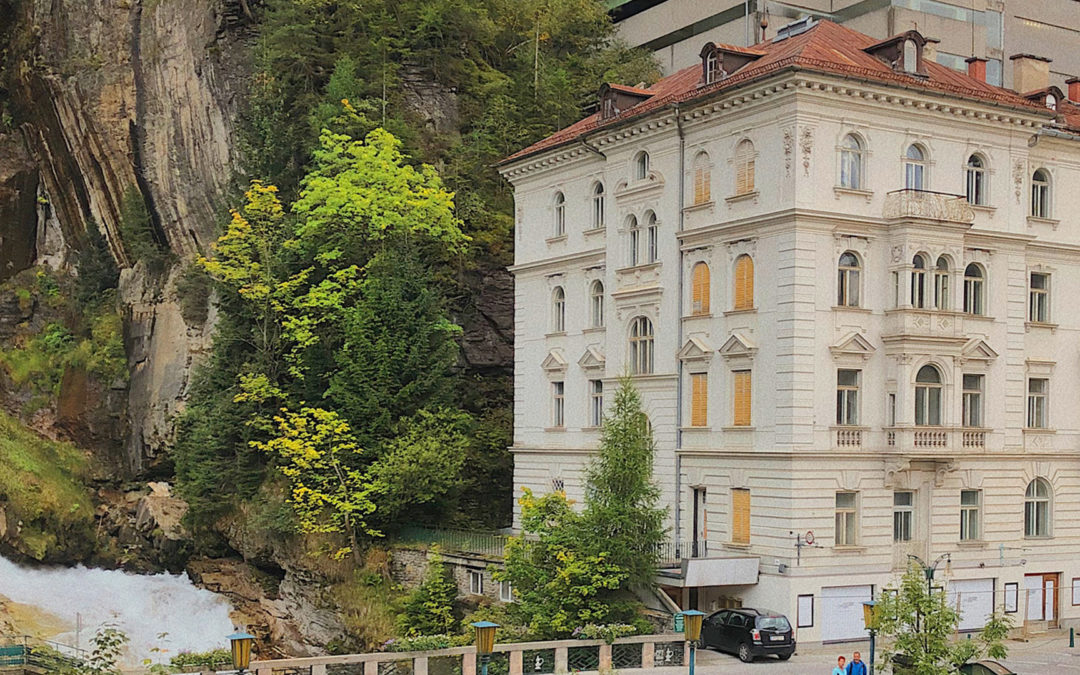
(720, 61)
(911, 56)
(712, 67)
(1051, 102)
(616, 99)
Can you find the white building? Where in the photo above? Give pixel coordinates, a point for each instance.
(828, 340)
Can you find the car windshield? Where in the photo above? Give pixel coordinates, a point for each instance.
(773, 623)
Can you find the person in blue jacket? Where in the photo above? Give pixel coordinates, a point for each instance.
(856, 667)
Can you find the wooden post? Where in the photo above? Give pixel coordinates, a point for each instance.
(371, 667)
(419, 665)
(562, 660)
(468, 664)
(648, 654)
(605, 658)
(515, 662)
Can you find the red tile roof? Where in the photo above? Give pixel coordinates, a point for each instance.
(632, 90)
(826, 47)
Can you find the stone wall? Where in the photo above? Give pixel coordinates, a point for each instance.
(408, 566)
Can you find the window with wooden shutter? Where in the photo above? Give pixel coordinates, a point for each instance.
(741, 416)
(702, 179)
(744, 282)
(699, 400)
(740, 516)
(700, 289)
(744, 168)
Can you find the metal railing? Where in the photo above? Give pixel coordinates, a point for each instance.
(929, 205)
(23, 650)
(672, 553)
(475, 542)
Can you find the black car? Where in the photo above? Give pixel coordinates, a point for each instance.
(749, 633)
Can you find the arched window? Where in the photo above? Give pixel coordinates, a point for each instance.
(1037, 509)
(560, 214)
(911, 56)
(700, 289)
(634, 230)
(976, 180)
(702, 179)
(918, 282)
(712, 68)
(641, 165)
(744, 167)
(974, 287)
(915, 168)
(596, 304)
(652, 233)
(598, 206)
(1040, 194)
(848, 281)
(744, 282)
(941, 283)
(558, 310)
(641, 346)
(851, 162)
(928, 397)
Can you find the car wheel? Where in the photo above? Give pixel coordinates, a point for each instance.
(744, 653)
(783, 657)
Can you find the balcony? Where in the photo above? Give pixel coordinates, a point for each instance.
(849, 438)
(933, 439)
(909, 321)
(923, 204)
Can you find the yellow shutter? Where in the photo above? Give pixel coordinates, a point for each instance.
(700, 289)
(749, 174)
(741, 413)
(699, 186)
(744, 282)
(706, 185)
(744, 168)
(740, 516)
(699, 404)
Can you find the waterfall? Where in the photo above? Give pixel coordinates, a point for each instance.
(142, 606)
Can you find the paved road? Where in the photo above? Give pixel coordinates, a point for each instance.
(1044, 655)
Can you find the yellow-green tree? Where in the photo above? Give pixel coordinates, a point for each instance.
(318, 454)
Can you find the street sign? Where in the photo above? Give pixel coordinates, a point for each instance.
(679, 622)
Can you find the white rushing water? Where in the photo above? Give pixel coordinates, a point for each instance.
(142, 606)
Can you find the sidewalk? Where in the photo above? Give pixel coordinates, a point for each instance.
(1045, 654)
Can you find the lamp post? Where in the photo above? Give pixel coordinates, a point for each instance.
(692, 631)
(870, 620)
(929, 570)
(241, 650)
(485, 642)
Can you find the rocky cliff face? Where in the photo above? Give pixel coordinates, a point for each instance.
(109, 97)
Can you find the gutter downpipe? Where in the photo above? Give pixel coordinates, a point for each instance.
(679, 297)
(1054, 133)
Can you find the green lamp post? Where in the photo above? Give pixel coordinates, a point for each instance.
(485, 643)
(870, 620)
(241, 650)
(692, 619)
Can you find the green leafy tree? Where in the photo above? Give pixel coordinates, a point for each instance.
(319, 456)
(572, 569)
(916, 627)
(429, 610)
(419, 475)
(107, 646)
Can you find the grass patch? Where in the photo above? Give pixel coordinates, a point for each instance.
(42, 486)
(366, 603)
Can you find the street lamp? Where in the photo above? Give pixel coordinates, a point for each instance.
(870, 621)
(692, 631)
(241, 649)
(929, 570)
(485, 642)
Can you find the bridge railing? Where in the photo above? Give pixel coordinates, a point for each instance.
(635, 653)
(476, 542)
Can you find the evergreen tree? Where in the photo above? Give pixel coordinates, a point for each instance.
(429, 610)
(622, 512)
(96, 267)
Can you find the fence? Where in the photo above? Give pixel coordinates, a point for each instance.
(26, 651)
(486, 544)
(672, 553)
(639, 652)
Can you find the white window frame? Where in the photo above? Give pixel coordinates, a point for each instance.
(558, 310)
(975, 290)
(1041, 204)
(846, 522)
(1038, 515)
(847, 398)
(976, 180)
(476, 582)
(642, 346)
(848, 279)
(903, 517)
(973, 399)
(1039, 298)
(1038, 404)
(918, 281)
(598, 215)
(506, 591)
(558, 404)
(942, 272)
(641, 165)
(927, 414)
(596, 403)
(852, 161)
(915, 168)
(596, 304)
(560, 215)
(971, 516)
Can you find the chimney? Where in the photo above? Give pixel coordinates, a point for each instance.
(1074, 89)
(976, 68)
(929, 50)
(1030, 73)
